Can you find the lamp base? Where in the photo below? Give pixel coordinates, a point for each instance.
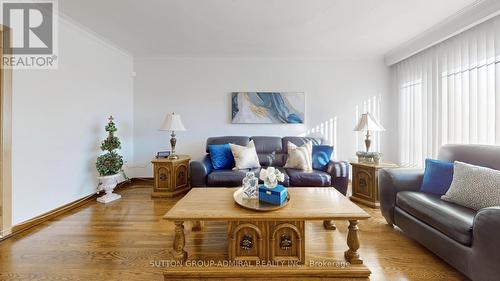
(173, 142)
(173, 157)
(368, 142)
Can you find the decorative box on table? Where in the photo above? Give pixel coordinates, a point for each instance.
(275, 196)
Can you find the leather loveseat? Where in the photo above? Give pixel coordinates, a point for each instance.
(272, 151)
(468, 240)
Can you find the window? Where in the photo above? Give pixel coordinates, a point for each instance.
(450, 93)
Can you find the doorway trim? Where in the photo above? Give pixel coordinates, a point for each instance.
(5, 143)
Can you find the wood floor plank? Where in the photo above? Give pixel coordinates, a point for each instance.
(123, 240)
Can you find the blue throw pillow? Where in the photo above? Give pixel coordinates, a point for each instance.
(321, 155)
(221, 156)
(438, 176)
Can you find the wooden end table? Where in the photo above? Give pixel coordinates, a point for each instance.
(365, 182)
(171, 176)
(274, 236)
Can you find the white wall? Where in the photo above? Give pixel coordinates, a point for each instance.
(199, 90)
(58, 121)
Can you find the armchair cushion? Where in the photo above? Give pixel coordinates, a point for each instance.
(451, 219)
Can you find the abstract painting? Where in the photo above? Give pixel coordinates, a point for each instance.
(268, 107)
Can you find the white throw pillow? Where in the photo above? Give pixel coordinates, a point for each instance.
(299, 157)
(474, 187)
(245, 157)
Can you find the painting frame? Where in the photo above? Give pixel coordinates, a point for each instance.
(268, 107)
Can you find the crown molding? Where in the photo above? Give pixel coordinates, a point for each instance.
(474, 14)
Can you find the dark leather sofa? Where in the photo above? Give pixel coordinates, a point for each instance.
(272, 151)
(468, 240)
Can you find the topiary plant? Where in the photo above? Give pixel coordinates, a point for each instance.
(111, 162)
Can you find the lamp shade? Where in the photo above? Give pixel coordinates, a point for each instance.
(172, 122)
(368, 123)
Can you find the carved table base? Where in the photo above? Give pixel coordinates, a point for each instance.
(267, 240)
(330, 225)
(352, 255)
(179, 242)
(275, 241)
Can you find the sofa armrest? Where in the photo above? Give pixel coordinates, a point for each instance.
(339, 171)
(486, 244)
(392, 181)
(199, 171)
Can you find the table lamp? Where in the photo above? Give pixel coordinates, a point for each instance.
(368, 123)
(172, 123)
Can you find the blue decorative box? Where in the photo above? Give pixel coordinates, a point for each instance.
(275, 196)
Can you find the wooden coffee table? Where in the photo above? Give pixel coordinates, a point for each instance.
(276, 236)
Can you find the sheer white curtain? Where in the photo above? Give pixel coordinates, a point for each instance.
(450, 93)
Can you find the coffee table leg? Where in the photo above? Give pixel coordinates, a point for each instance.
(179, 242)
(352, 255)
(330, 225)
(197, 226)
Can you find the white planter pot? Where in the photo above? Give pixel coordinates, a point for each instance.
(108, 184)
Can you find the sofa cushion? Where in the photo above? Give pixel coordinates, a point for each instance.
(451, 219)
(228, 178)
(233, 178)
(308, 178)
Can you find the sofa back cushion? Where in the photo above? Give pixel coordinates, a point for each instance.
(299, 141)
(272, 151)
(269, 150)
(480, 155)
(239, 140)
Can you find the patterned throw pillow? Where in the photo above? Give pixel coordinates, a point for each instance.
(245, 157)
(474, 187)
(299, 157)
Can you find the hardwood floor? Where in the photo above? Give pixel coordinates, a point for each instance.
(128, 240)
